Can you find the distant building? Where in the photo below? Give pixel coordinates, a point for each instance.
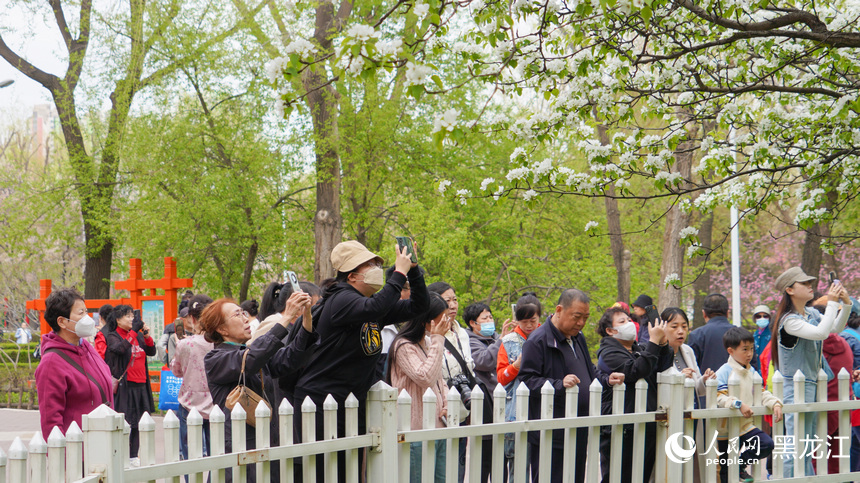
(42, 125)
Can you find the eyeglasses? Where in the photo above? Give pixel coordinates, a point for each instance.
(241, 313)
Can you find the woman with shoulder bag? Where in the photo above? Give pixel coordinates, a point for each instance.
(126, 356)
(230, 363)
(71, 379)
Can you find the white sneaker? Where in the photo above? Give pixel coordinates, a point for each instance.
(134, 462)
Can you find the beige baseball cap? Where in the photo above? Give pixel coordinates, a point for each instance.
(790, 277)
(348, 255)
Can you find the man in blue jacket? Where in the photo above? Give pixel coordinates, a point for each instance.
(707, 341)
(557, 352)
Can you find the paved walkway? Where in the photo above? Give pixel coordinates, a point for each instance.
(24, 424)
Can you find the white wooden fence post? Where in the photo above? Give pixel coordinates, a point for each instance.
(404, 424)
(309, 434)
(689, 427)
(710, 427)
(170, 425)
(476, 443)
(126, 443)
(285, 435)
(640, 406)
(237, 440)
(521, 443)
(17, 461)
(821, 394)
(74, 453)
(616, 435)
(800, 424)
(452, 445)
(56, 456)
(351, 421)
(329, 433)
(216, 443)
(734, 427)
(146, 429)
(778, 428)
(382, 420)
(428, 453)
(595, 401)
(844, 421)
(571, 408)
(194, 439)
(38, 459)
(499, 468)
(104, 442)
(263, 415)
(3, 461)
(547, 404)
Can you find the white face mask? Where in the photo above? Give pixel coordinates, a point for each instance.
(375, 278)
(85, 327)
(625, 331)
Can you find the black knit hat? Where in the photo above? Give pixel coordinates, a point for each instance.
(643, 301)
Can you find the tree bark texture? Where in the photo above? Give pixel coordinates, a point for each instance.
(616, 241)
(676, 220)
(702, 285)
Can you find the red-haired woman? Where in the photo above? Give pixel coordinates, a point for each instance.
(227, 326)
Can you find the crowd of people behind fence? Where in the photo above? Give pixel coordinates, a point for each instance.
(367, 324)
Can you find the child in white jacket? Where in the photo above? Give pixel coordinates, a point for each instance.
(741, 348)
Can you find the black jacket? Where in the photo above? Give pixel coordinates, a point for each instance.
(223, 366)
(117, 357)
(350, 340)
(548, 357)
(644, 362)
(707, 343)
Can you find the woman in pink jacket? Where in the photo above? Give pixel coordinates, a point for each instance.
(416, 364)
(71, 379)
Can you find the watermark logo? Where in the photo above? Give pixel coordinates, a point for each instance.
(676, 452)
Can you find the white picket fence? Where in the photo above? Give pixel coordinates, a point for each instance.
(99, 453)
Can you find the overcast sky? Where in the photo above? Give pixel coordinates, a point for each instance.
(39, 42)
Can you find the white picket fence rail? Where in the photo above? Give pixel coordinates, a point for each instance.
(99, 452)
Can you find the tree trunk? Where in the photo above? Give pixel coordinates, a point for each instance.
(322, 102)
(676, 220)
(249, 269)
(702, 285)
(616, 241)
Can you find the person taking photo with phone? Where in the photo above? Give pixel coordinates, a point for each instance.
(797, 333)
(126, 354)
(348, 318)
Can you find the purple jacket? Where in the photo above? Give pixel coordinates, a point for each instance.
(64, 393)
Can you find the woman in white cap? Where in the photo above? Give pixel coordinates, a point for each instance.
(761, 317)
(797, 332)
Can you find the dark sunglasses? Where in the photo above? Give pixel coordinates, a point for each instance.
(756, 317)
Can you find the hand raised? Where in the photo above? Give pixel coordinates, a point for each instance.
(402, 261)
(657, 331)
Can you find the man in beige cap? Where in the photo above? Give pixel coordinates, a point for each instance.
(350, 316)
(761, 317)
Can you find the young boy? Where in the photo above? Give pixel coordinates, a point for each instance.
(740, 345)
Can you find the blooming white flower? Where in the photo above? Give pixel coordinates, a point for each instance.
(463, 194)
(498, 193)
(390, 48)
(590, 226)
(416, 74)
(448, 120)
(672, 279)
(529, 195)
(421, 9)
(688, 232)
(300, 46)
(517, 153)
(486, 183)
(443, 185)
(362, 33)
(274, 68)
(517, 173)
(693, 249)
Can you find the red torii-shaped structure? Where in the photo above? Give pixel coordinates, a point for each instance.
(137, 288)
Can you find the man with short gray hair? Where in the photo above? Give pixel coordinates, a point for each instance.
(556, 352)
(707, 341)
